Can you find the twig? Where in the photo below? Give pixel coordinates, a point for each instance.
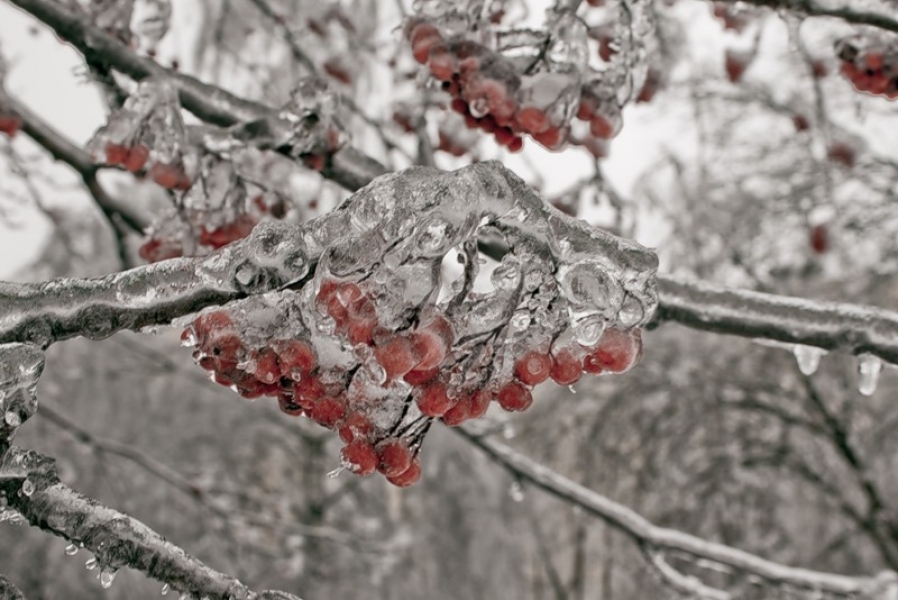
(690, 586)
(849, 15)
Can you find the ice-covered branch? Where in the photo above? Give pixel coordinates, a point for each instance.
(414, 216)
(663, 539)
(30, 486)
(21, 366)
(851, 328)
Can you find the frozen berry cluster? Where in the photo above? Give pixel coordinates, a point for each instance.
(378, 387)
(135, 158)
(491, 95)
(873, 69)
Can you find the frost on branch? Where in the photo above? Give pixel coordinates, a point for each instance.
(21, 366)
(378, 343)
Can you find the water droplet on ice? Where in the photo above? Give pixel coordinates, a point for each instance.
(479, 107)
(107, 576)
(27, 487)
(508, 431)
(165, 588)
(868, 370)
(630, 313)
(71, 550)
(91, 564)
(516, 491)
(12, 418)
(808, 358)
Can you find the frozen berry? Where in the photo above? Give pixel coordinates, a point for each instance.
(514, 397)
(360, 457)
(533, 368)
(433, 400)
(408, 477)
(394, 457)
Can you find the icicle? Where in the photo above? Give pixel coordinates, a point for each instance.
(868, 370)
(808, 358)
(91, 564)
(165, 588)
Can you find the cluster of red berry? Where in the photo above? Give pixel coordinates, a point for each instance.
(161, 245)
(873, 71)
(135, 158)
(9, 123)
(488, 92)
(416, 363)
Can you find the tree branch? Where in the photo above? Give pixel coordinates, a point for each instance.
(8, 591)
(116, 539)
(648, 535)
(851, 328)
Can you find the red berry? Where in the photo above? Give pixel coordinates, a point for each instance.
(328, 412)
(533, 368)
(356, 425)
(516, 145)
(308, 391)
(394, 457)
(297, 358)
(10, 124)
(408, 477)
(735, 66)
(116, 154)
(433, 400)
(801, 123)
(459, 413)
(418, 377)
(137, 158)
(566, 367)
(479, 403)
(514, 397)
(533, 120)
(267, 369)
(171, 177)
(617, 352)
(396, 356)
(551, 138)
(601, 127)
(442, 65)
(819, 238)
(431, 342)
(360, 457)
(155, 250)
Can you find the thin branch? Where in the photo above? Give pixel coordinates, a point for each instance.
(116, 539)
(648, 535)
(690, 586)
(65, 151)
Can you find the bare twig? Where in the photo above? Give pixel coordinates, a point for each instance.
(846, 13)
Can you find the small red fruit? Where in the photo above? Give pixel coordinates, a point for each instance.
(408, 477)
(396, 356)
(433, 401)
(360, 457)
(394, 457)
(533, 368)
(514, 397)
(566, 368)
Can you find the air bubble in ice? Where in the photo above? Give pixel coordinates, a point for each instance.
(869, 367)
(588, 329)
(630, 313)
(12, 418)
(585, 284)
(91, 564)
(27, 487)
(507, 276)
(165, 588)
(107, 576)
(808, 358)
(71, 550)
(433, 237)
